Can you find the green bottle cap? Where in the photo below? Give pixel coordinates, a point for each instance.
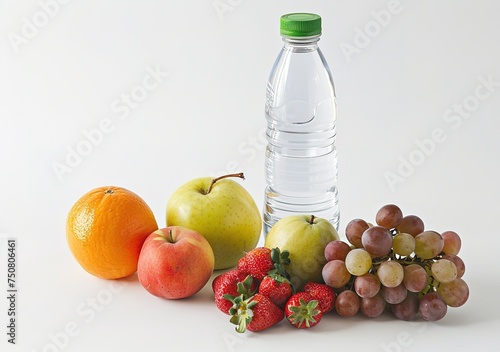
(300, 24)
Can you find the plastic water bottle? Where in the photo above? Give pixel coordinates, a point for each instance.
(301, 111)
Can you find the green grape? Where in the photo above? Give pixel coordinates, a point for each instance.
(358, 262)
(454, 293)
(390, 273)
(444, 270)
(335, 273)
(459, 263)
(452, 242)
(415, 278)
(428, 244)
(403, 244)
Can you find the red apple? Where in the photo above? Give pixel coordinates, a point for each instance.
(175, 262)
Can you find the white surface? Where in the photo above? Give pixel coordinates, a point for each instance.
(205, 118)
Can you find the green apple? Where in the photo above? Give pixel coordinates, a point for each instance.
(222, 211)
(305, 237)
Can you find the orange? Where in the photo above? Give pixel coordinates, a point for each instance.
(105, 231)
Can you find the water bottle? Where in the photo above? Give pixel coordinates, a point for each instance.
(301, 111)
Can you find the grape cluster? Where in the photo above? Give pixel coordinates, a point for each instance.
(395, 265)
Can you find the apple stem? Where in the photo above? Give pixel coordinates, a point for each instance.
(170, 234)
(240, 175)
(311, 220)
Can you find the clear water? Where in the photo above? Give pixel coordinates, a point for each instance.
(301, 158)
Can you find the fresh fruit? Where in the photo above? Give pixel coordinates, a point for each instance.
(257, 262)
(377, 240)
(302, 311)
(335, 273)
(336, 249)
(221, 210)
(389, 216)
(354, 230)
(232, 283)
(396, 264)
(105, 231)
(261, 261)
(432, 307)
(175, 262)
(347, 303)
(305, 238)
(277, 288)
(323, 293)
(256, 313)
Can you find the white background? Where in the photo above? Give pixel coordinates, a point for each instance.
(399, 81)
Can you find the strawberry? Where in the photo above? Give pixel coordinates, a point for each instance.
(257, 262)
(302, 311)
(231, 283)
(256, 313)
(261, 260)
(324, 294)
(277, 288)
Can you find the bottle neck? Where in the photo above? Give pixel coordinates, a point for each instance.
(300, 44)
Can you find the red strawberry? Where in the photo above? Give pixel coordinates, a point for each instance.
(277, 288)
(257, 262)
(323, 293)
(227, 284)
(256, 313)
(260, 261)
(302, 311)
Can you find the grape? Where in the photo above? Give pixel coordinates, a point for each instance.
(336, 249)
(415, 278)
(390, 273)
(367, 285)
(372, 307)
(432, 307)
(407, 309)
(454, 293)
(354, 230)
(428, 244)
(444, 270)
(358, 262)
(403, 244)
(394, 295)
(347, 303)
(389, 216)
(452, 242)
(395, 263)
(459, 263)
(377, 240)
(411, 224)
(335, 273)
